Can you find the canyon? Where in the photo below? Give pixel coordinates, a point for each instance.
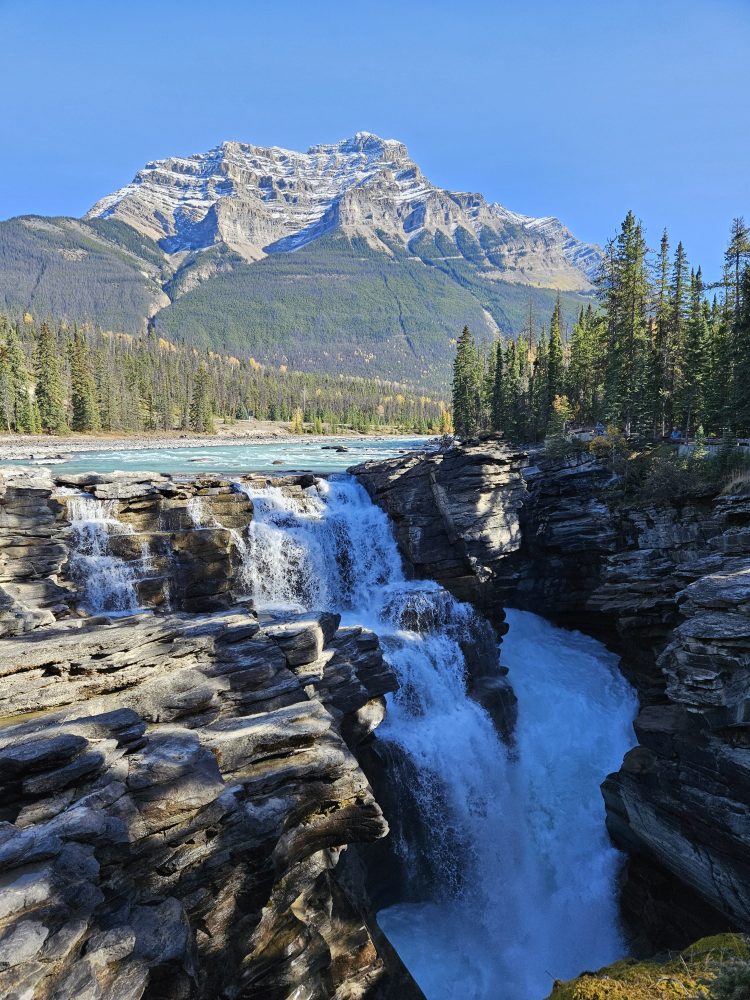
(663, 583)
(198, 767)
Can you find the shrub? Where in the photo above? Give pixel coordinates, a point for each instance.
(732, 982)
(612, 448)
(669, 478)
(564, 446)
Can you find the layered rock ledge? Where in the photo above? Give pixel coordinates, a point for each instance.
(176, 789)
(455, 515)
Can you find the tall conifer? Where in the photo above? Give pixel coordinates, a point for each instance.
(50, 390)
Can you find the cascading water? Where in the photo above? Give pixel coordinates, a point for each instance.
(108, 581)
(200, 517)
(524, 874)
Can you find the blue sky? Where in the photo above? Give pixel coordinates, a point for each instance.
(579, 109)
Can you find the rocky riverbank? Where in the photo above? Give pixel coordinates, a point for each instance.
(178, 787)
(667, 585)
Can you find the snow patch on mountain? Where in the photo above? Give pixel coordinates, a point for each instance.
(259, 200)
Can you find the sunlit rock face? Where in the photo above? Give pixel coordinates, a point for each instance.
(176, 786)
(455, 514)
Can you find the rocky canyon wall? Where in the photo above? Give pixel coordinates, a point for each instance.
(666, 585)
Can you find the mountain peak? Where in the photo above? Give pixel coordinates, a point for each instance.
(260, 200)
(368, 143)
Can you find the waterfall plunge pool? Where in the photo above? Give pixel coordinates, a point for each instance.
(543, 904)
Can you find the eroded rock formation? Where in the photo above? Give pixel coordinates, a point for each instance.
(177, 789)
(455, 514)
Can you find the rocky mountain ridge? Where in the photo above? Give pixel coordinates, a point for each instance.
(259, 200)
(342, 259)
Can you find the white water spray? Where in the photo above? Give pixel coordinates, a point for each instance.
(525, 887)
(108, 582)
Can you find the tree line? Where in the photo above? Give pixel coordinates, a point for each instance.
(60, 377)
(663, 350)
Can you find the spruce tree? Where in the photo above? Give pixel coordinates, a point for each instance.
(466, 386)
(583, 376)
(511, 393)
(84, 403)
(487, 371)
(741, 393)
(50, 391)
(695, 360)
(736, 258)
(678, 308)
(201, 413)
(540, 403)
(624, 291)
(498, 411)
(555, 358)
(664, 360)
(19, 409)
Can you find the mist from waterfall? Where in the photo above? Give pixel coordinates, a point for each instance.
(524, 887)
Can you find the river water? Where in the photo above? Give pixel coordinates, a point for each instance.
(279, 457)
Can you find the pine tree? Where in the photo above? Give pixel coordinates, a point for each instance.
(50, 391)
(466, 386)
(83, 388)
(695, 360)
(201, 413)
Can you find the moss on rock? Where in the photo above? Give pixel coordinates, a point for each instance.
(687, 974)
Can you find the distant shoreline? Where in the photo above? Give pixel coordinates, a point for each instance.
(36, 448)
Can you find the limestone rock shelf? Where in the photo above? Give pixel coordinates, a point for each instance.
(176, 788)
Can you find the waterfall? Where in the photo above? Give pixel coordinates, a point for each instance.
(108, 581)
(524, 884)
(199, 518)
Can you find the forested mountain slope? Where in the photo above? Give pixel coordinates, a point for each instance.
(342, 258)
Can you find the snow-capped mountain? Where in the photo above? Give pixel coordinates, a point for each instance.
(259, 201)
(341, 259)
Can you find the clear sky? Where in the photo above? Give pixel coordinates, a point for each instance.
(577, 108)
